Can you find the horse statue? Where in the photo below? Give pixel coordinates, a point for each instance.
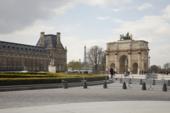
(126, 37)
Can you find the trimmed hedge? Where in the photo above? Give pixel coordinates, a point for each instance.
(43, 75)
(46, 81)
(23, 75)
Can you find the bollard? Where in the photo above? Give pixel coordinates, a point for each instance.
(65, 84)
(120, 80)
(154, 82)
(140, 82)
(124, 86)
(84, 84)
(164, 87)
(130, 81)
(143, 86)
(105, 84)
(113, 80)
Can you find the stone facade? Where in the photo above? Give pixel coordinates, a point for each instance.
(21, 57)
(128, 56)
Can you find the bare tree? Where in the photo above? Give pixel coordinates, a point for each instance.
(96, 57)
(155, 69)
(166, 67)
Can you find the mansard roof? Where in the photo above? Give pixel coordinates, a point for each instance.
(50, 41)
(18, 46)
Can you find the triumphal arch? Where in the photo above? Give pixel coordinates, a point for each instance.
(128, 55)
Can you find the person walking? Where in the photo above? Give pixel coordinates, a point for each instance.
(111, 72)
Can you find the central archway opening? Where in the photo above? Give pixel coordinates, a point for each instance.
(123, 64)
(112, 66)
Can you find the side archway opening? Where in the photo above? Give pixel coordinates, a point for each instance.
(123, 61)
(135, 68)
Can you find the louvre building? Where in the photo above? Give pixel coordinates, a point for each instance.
(21, 57)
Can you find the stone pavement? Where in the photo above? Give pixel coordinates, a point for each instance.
(114, 92)
(97, 107)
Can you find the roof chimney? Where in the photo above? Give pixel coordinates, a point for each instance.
(58, 37)
(42, 34)
(41, 40)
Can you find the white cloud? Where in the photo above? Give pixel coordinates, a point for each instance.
(29, 35)
(118, 20)
(115, 3)
(103, 18)
(116, 9)
(64, 8)
(148, 28)
(166, 13)
(24, 26)
(69, 38)
(160, 54)
(76, 45)
(97, 2)
(145, 6)
(154, 29)
(19, 14)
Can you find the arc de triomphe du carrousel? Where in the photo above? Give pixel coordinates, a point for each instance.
(128, 55)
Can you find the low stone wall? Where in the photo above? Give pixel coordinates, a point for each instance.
(143, 76)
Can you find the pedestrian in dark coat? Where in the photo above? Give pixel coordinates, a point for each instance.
(111, 72)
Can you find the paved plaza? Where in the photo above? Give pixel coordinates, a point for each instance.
(97, 107)
(60, 96)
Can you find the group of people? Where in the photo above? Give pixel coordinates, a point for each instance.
(112, 73)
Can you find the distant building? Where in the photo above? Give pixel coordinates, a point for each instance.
(21, 57)
(128, 55)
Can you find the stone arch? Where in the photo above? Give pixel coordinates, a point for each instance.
(135, 68)
(123, 64)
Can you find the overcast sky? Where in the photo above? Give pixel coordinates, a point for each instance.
(88, 22)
